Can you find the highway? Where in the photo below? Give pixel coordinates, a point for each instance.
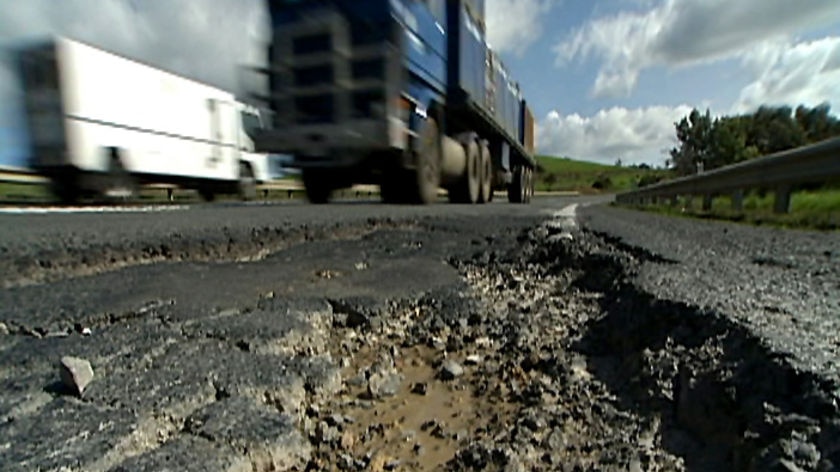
(562, 335)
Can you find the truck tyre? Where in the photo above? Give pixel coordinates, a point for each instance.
(424, 180)
(473, 172)
(247, 185)
(526, 185)
(392, 188)
(317, 186)
(486, 180)
(516, 187)
(468, 188)
(66, 190)
(532, 179)
(120, 183)
(207, 193)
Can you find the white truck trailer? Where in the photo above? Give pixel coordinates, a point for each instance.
(101, 124)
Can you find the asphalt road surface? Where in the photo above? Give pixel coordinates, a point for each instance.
(561, 335)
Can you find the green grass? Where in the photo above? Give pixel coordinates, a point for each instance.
(20, 192)
(809, 209)
(564, 174)
(23, 193)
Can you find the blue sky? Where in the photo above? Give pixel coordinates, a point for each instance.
(606, 78)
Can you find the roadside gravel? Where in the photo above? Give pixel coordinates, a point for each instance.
(784, 285)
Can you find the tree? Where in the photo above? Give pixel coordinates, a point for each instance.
(817, 123)
(693, 132)
(730, 139)
(774, 129)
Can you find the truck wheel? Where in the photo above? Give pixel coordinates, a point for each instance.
(425, 179)
(473, 172)
(247, 185)
(532, 179)
(207, 193)
(66, 190)
(516, 187)
(467, 189)
(120, 183)
(318, 187)
(526, 184)
(486, 181)
(392, 188)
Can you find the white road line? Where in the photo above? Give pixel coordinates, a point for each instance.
(563, 221)
(568, 211)
(92, 209)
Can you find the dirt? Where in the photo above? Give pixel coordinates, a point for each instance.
(566, 366)
(417, 423)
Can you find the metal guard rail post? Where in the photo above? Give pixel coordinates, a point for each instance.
(780, 172)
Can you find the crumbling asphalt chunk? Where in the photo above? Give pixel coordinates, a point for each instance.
(75, 374)
(66, 433)
(186, 453)
(270, 440)
(274, 327)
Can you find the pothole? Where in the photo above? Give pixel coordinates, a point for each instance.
(563, 364)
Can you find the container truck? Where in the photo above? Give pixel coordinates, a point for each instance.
(405, 94)
(101, 124)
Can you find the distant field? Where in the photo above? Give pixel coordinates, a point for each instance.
(562, 174)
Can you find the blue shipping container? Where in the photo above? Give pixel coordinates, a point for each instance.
(467, 51)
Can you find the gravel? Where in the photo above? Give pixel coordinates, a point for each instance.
(783, 285)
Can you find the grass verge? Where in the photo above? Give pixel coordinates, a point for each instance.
(38, 193)
(809, 209)
(563, 174)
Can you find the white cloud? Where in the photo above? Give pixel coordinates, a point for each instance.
(633, 135)
(683, 32)
(513, 25)
(806, 73)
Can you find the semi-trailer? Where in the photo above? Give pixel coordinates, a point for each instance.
(405, 94)
(100, 123)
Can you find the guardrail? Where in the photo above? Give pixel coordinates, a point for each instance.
(780, 172)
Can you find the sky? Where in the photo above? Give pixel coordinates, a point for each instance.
(606, 79)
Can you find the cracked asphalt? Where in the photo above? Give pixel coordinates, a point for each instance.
(562, 335)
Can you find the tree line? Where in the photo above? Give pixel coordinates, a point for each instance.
(716, 142)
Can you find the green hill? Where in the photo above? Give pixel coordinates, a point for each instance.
(564, 174)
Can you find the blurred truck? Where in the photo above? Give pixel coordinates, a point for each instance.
(405, 94)
(101, 124)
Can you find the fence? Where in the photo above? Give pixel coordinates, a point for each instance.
(780, 172)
